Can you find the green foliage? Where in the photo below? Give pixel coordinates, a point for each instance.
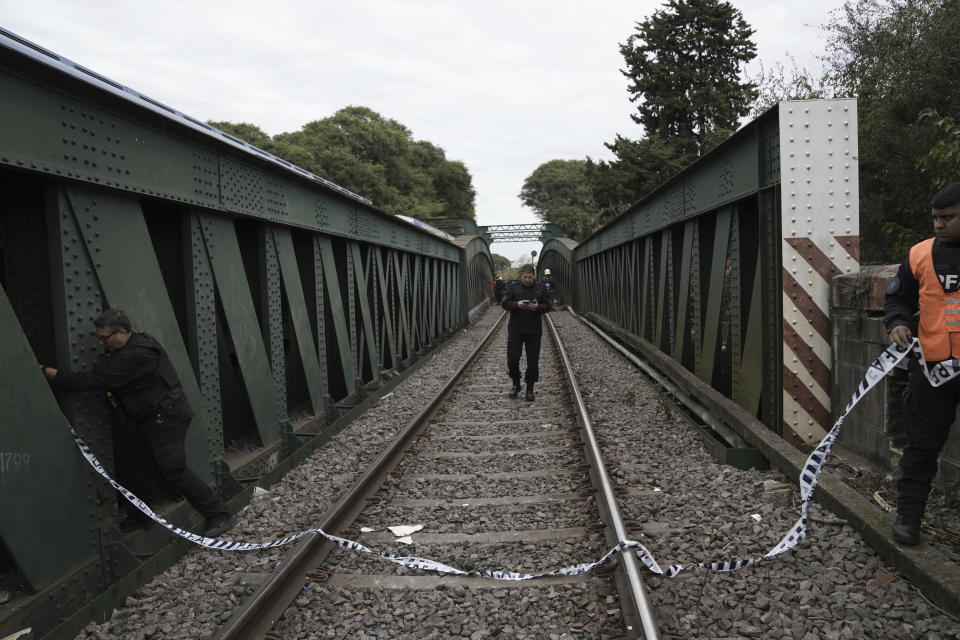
(245, 131)
(558, 191)
(898, 239)
(899, 58)
(501, 264)
(942, 162)
(684, 64)
(259, 138)
(375, 157)
(777, 82)
(640, 167)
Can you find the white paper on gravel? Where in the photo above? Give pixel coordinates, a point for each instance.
(809, 476)
(403, 530)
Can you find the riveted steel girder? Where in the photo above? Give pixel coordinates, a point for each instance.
(726, 266)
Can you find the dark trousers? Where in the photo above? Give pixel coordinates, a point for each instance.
(517, 342)
(929, 413)
(147, 452)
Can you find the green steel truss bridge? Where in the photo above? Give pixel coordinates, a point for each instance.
(286, 302)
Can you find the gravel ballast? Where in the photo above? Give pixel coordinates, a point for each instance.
(832, 586)
(501, 498)
(684, 507)
(198, 593)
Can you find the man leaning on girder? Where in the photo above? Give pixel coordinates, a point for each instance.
(526, 300)
(928, 281)
(151, 414)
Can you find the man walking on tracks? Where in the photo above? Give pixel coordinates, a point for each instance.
(928, 281)
(526, 300)
(499, 289)
(152, 417)
(547, 281)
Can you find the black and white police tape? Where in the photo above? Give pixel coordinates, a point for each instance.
(809, 476)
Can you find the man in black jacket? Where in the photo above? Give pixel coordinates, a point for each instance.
(499, 289)
(927, 282)
(526, 300)
(136, 371)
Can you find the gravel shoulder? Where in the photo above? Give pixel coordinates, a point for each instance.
(831, 586)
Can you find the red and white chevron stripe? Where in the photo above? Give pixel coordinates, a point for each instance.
(820, 226)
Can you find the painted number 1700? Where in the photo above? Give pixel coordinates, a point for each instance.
(9, 460)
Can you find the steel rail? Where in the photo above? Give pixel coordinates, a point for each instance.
(633, 594)
(262, 609)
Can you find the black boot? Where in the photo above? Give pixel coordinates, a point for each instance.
(133, 522)
(515, 391)
(906, 529)
(218, 525)
(529, 395)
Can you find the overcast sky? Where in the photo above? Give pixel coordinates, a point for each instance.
(501, 86)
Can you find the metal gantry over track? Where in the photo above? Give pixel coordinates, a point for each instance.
(282, 299)
(533, 232)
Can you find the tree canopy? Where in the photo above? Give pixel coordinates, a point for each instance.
(900, 59)
(375, 157)
(942, 162)
(684, 66)
(640, 167)
(558, 191)
(500, 263)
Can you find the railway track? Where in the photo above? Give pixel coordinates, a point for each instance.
(496, 484)
(483, 478)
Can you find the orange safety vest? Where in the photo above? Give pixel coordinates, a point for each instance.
(939, 329)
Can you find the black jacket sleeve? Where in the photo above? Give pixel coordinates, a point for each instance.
(902, 302)
(543, 300)
(109, 374)
(510, 299)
